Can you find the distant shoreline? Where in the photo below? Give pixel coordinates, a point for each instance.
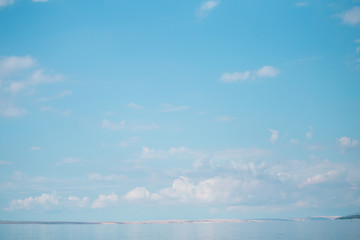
(175, 221)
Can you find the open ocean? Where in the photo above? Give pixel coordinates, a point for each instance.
(317, 230)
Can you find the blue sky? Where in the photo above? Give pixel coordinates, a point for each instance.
(142, 110)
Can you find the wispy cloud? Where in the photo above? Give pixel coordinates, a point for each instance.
(165, 107)
(274, 135)
(224, 119)
(105, 200)
(14, 64)
(59, 95)
(56, 111)
(351, 16)
(5, 162)
(35, 148)
(122, 125)
(301, 4)
(265, 71)
(69, 160)
(205, 8)
(4, 3)
(8, 110)
(309, 134)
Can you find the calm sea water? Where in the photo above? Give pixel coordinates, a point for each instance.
(317, 230)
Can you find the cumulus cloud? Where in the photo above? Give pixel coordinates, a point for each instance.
(138, 193)
(352, 16)
(347, 143)
(183, 190)
(44, 201)
(4, 3)
(274, 135)
(78, 202)
(205, 8)
(105, 201)
(265, 71)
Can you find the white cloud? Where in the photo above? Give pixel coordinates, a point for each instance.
(105, 200)
(36, 78)
(113, 126)
(183, 190)
(320, 178)
(59, 95)
(352, 16)
(78, 202)
(14, 64)
(123, 125)
(265, 71)
(172, 152)
(70, 160)
(138, 193)
(294, 141)
(357, 40)
(235, 77)
(205, 8)
(35, 148)
(134, 106)
(309, 134)
(274, 135)
(170, 108)
(4, 3)
(347, 143)
(302, 4)
(7, 110)
(5, 162)
(358, 49)
(44, 201)
(224, 119)
(112, 177)
(128, 142)
(56, 111)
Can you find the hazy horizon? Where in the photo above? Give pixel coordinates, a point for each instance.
(123, 110)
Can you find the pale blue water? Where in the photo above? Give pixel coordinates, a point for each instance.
(317, 230)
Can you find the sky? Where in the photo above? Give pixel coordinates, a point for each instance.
(119, 110)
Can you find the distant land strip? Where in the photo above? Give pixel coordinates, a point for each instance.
(178, 221)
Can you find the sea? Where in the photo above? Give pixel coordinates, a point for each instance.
(306, 230)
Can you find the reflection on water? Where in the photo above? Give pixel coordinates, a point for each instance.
(320, 230)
